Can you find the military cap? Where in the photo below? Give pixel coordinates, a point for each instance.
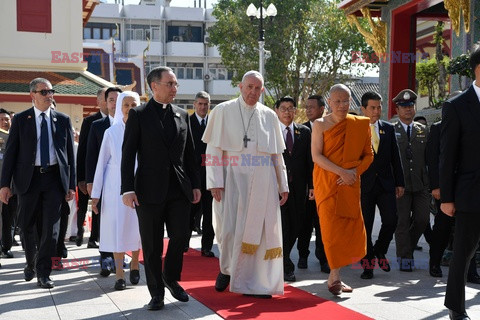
(405, 98)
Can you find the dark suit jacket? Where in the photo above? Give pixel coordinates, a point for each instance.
(386, 165)
(21, 149)
(299, 164)
(200, 147)
(82, 144)
(460, 152)
(433, 154)
(94, 143)
(145, 138)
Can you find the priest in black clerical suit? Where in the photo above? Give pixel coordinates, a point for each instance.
(164, 185)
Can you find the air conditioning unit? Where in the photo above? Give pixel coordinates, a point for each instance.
(176, 38)
(206, 39)
(207, 77)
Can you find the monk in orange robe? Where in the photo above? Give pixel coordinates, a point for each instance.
(342, 151)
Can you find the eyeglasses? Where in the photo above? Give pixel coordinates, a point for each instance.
(289, 109)
(45, 92)
(169, 84)
(339, 102)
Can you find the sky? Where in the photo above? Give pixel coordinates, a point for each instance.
(174, 3)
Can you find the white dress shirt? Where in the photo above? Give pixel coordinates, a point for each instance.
(284, 131)
(51, 147)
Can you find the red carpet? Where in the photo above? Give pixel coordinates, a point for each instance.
(198, 279)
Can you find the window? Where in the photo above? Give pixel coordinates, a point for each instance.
(185, 33)
(187, 70)
(219, 72)
(100, 31)
(34, 16)
(155, 34)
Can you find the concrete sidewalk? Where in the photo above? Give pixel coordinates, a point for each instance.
(81, 293)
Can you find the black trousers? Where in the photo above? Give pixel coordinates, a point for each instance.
(207, 227)
(9, 218)
(39, 211)
(64, 213)
(311, 222)
(81, 213)
(174, 212)
(292, 220)
(387, 205)
(467, 236)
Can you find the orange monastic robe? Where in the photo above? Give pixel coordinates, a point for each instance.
(348, 145)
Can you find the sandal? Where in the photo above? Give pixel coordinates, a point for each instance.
(346, 288)
(336, 288)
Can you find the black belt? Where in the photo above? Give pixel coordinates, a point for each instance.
(46, 169)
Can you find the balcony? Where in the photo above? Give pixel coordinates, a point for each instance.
(143, 12)
(189, 87)
(136, 47)
(107, 10)
(185, 49)
(213, 52)
(184, 14)
(223, 87)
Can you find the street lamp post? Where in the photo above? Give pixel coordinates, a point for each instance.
(261, 14)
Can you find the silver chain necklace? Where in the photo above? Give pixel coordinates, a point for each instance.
(245, 138)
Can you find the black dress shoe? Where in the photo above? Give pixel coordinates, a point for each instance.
(382, 262)
(28, 273)
(107, 266)
(208, 254)
(134, 276)
(454, 315)
(474, 278)
(92, 244)
(156, 303)
(302, 263)
(175, 289)
(64, 252)
(79, 240)
(258, 296)
(15, 243)
(198, 230)
(222, 282)
(367, 274)
(289, 276)
(324, 267)
(120, 284)
(406, 265)
(7, 254)
(436, 271)
(45, 282)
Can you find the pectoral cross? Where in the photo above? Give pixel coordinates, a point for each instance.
(245, 140)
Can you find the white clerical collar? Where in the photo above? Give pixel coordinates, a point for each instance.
(164, 105)
(477, 89)
(38, 112)
(245, 105)
(200, 118)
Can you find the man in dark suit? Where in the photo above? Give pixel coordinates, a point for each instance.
(314, 109)
(413, 208)
(459, 183)
(39, 158)
(9, 212)
(443, 223)
(165, 183)
(298, 161)
(95, 138)
(381, 184)
(82, 185)
(198, 122)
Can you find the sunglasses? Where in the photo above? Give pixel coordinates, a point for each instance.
(45, 92)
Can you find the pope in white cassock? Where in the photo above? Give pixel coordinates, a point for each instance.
(246, 174)
(119, 224)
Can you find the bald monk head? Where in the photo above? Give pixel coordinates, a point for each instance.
(339, 100)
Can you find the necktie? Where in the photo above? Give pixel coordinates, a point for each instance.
(375, 138)
(408, 132)
(202, 123)
(289, 140)
(44, 149)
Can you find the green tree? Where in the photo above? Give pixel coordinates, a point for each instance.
(310, 41)
(428, 77)
(461, 67)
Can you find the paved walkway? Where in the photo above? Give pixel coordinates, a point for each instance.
(81, 293)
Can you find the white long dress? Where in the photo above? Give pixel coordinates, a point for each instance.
(246, 182)
(119, 231)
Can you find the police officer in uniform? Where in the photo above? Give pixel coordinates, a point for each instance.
(414, 207)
